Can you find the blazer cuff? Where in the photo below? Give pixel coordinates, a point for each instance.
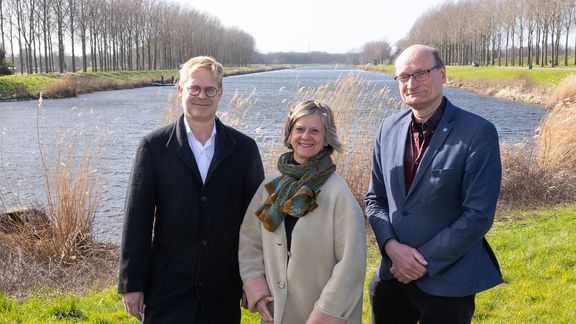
(256, 289)
(320, 317)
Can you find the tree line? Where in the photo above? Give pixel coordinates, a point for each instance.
(498, 32)
(44, 36)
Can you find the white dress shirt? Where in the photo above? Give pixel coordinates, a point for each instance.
(202, 153)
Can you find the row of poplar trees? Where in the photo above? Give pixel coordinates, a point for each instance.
(45, 36)
(498, 32)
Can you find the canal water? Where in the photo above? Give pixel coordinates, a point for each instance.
(109, 124)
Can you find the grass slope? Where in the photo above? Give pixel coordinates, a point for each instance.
(535, 250)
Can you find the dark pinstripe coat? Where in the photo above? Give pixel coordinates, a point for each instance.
(180, 236)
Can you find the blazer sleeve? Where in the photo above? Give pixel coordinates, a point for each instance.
(344, 289)
(480, 190)
(376, 201)
(138, 223)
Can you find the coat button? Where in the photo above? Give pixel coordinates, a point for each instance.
(204, 242)
(281, 284)
(204, 199)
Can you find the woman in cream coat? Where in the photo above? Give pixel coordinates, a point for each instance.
(302, 250)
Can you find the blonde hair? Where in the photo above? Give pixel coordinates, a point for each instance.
(309, 107)
(202, 63)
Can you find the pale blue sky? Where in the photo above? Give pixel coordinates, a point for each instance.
(316, 25)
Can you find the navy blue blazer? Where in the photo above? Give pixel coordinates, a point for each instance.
(450, 206)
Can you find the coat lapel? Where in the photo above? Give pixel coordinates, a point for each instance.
(401, 151)
(178, 144)
(224, 146)
(440, 135)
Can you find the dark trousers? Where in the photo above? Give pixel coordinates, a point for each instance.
(396, 303)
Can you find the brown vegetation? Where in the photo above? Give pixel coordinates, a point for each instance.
(543, 175)
(53, 245)
(70, 85)
(358, 107)
(517, 89)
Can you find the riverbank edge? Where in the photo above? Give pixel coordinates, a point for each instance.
(502, 89)
(70, 85)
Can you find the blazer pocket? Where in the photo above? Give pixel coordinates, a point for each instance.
(445, 172)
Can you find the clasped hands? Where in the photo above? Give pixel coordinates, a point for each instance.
(407, 263)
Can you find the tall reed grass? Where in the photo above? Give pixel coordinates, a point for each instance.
(543, 174)
(47, 239)
(358, 105)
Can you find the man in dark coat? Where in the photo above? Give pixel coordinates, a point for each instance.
(190, 185)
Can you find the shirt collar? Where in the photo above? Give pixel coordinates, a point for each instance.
(190, 133)
(434, 120)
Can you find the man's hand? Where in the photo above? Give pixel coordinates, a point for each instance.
(407, 263)
(262, 308)
(134, 303)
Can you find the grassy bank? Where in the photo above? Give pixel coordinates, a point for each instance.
(538, 76)
(535, 250)
(56, 85)
(513, 83)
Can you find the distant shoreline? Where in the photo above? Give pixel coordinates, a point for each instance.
(68, 85)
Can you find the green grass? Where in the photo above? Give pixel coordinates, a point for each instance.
(539, 76)
(57, 307)
(536, 254)
(535, 250)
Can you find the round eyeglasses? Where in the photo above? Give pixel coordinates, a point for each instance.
(419, 76)
(210, 92)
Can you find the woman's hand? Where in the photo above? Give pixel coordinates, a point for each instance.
(262, 308)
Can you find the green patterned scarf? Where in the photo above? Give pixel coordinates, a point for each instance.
(295, 191)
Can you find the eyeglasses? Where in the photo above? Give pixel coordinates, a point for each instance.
(210, 92)
(419, 76)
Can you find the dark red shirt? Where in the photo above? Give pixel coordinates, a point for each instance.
(419, 137)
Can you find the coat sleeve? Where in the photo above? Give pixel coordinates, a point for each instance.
(480, 190)
(138, 222)
(376, 201)
(250, 252)
(344, 289)
(254, 174)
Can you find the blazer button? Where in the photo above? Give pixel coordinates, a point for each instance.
(204, 199)
(204, 242)
(281, 284)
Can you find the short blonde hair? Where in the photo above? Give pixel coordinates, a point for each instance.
(309, 107)
(202, 63)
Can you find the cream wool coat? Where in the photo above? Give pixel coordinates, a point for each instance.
(327, 263)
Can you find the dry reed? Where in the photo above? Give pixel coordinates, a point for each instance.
(556, 139)
(358, 105)
(53, 244)
(520, 88)
(566, 89)
(70, 85)
(528, 183)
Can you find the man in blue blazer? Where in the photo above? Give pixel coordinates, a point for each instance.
(190, 186)
(432, 198)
